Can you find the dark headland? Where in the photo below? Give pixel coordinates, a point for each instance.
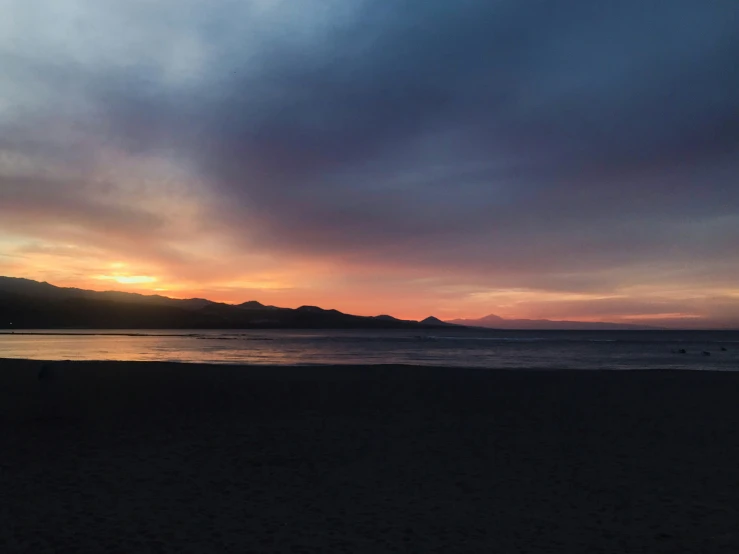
(154, 457)
(27, 304)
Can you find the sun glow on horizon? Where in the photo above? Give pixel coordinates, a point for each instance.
(128, 279)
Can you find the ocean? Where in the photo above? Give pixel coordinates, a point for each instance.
(442, 347)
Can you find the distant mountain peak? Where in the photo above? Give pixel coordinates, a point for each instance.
(311, 309)
(317, 310)
(251, 305)
(492, 317)
(432, 320)
(386, 317)
(497, 322)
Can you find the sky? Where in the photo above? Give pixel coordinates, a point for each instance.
(561, 159)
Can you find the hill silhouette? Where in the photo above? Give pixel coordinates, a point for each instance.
(28, 304)
(431, 320)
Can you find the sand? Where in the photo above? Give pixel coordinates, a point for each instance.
(149, 457)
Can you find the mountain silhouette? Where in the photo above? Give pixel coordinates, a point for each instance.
(385, 317)
(27, 304)
(431, 320)
(254, 305)
(493, 321)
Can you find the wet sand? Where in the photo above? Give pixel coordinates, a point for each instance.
(152, 457)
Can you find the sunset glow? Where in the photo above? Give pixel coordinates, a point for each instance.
(527, 177)
(128, 279)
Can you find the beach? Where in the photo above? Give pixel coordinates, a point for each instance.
(162, 457)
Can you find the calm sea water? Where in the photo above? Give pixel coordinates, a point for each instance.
(492, 349)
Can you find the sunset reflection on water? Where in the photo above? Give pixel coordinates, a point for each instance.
(171, 346)
(454, 348)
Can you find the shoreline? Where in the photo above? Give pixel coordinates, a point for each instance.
(364, 366)
(397, 367)
(173, 457)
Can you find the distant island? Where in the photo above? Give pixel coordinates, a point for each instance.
(28, 304)
(496, 322)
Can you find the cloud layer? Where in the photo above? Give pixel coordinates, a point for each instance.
(474, 147)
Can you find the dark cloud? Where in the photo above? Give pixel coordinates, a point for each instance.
(583, 114)
(554, 144)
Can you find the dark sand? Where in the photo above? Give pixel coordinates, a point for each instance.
(121, 457)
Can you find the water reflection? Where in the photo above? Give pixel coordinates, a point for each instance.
(500, 349)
